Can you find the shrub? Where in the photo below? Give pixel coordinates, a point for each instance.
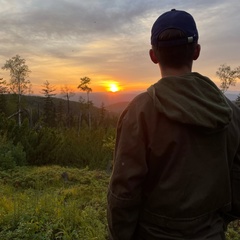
(41, 145)
(11, 155)
(86, 149)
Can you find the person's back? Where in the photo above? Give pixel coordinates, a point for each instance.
(177, 145)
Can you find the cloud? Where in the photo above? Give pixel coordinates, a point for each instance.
(109, 38)
(86, 18)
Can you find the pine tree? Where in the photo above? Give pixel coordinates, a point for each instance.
(49, 107)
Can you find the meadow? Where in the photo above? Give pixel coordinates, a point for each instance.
(53, 203)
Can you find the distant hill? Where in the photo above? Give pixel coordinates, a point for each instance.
(107, 98)
(117, 107)
(232, 95)
(120, 106)
(36, 103)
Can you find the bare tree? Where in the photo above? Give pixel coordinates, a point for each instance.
(19, 83)
(81, 110)
(228, 76)
(67, 93)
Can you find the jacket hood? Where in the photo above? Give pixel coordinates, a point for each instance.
(191, 99)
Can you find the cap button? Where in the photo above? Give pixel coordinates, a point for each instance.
(173, 9)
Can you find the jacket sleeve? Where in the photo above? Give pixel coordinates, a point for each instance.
(234, 214)
(235, 182)
(234, 149)
(129, 171)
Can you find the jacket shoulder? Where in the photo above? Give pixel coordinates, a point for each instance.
(141, 102)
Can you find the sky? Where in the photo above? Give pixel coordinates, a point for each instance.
(109, 40)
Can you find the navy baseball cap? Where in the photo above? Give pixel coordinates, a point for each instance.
(174, 19)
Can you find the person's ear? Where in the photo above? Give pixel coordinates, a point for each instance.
(153, 56)
(196, 52)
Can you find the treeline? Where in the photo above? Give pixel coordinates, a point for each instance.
(49, 130)
(55, 112)
(67, 142)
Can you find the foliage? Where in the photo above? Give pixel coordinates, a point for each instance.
(85, 149)
(109, 143)
(48, 90)
(19, 83)
(33, 109)
(11, 155)
(18, 72)
(41, 146)
(3, 86)
(60, 114)
(233, 232)
(39, 204)
(66, 147)
(84, 84)
(3, 91)
(49, 107)
(228, 76)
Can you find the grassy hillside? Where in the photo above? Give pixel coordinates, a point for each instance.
(53, 203)
(48, 203)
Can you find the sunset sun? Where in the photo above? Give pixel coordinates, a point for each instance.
(113, 87)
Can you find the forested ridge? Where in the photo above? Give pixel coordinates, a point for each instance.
(63, 138)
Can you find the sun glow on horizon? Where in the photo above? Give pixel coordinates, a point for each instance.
(113, 87)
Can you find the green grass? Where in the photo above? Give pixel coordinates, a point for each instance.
(37, 203)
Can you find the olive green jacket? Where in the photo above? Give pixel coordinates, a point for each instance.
(177, 163)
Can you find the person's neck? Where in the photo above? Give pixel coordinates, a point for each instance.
(166, 72)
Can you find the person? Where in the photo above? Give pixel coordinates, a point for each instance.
(176, 171)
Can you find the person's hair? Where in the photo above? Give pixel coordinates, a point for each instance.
(174, 56)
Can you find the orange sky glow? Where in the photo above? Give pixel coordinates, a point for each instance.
(61, 45)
